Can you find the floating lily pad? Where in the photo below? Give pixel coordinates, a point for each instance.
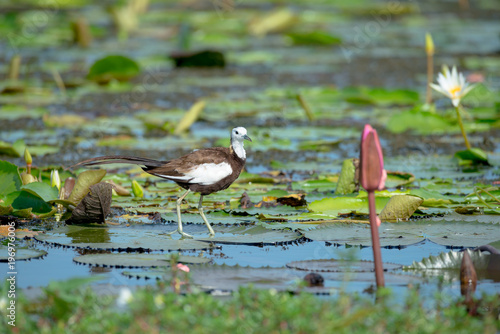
(118, 238)
(333, 265)
(226, 278)
(331, 207)
(256, 235)
(22, 254)
(113, 67)
(313, 38)
(448, 265)
(460, 234)
(359, 234)
(135, 260)
(420, 122)
(450, 233)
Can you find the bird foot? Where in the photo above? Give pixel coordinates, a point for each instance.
(183, 234)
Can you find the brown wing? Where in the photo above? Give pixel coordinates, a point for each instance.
(180, 166)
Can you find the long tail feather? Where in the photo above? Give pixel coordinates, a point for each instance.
(113, 159)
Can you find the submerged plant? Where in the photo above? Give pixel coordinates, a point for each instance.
(454, 86)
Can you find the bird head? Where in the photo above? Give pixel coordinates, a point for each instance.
(240, 134)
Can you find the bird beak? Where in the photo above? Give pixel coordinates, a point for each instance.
(247, 138)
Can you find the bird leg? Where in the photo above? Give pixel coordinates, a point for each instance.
(179, 228)
(200, 209)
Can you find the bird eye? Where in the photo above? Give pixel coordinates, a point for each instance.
(237, 133)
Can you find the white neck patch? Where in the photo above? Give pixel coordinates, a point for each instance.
(239, 149)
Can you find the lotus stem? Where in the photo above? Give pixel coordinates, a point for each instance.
(15, 64)
(459, 117)
(377, 255)
(430, 75)
(490, 194)
(305, 106)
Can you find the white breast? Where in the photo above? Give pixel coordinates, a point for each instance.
(205, 174)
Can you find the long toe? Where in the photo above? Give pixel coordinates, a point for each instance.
(185, 235)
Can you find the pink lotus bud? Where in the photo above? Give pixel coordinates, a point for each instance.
(182, 267)
(372, 174)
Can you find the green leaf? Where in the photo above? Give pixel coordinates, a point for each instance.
(331, 207)
(113, 68)
(10, 180)
(396, 96)
(313, 38)
(6, 210)
(396, 179)
(432, 198)
(83, 182)
(400, 208)
(42, 190)
(474, 154)
(347, 179)
(419, 122)
(26, 200)
(11, 149)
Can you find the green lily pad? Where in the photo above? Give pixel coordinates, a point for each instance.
(460, 234)
(451, 260)
(400, 208)
(433, 198)
(42, 190)
(356, 234)
(14, 150)
(224, 277)
(476, 155)
(22, 200)
(332, 265)
(10, 180)
(313, 38)
(331, 207)
(396, 179)
(321, 185)
(420, 122)
(135, 260)
(255, 235)
(446, 233)
(447, 265)
(119, 238)
(22, 254)
(113, 68)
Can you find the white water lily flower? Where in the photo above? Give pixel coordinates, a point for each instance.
(452, 84)
(124, 297)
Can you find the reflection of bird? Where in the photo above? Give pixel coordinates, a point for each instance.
(203, 171)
